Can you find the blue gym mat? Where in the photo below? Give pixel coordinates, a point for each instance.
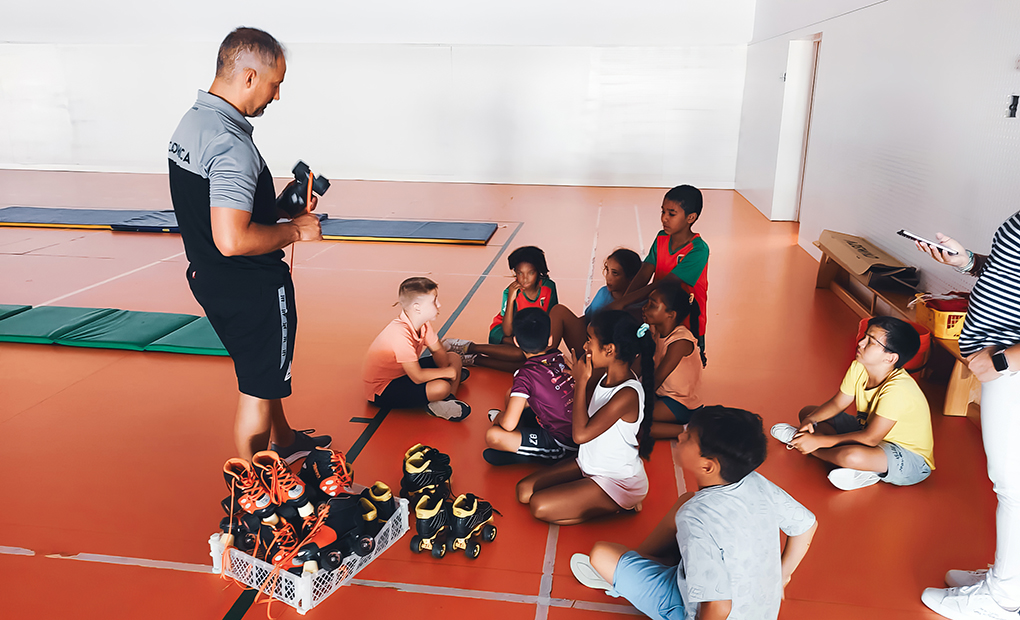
(407, 231)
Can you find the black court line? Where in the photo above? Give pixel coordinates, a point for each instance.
(245, 600)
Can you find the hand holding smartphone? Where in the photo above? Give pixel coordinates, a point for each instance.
(938, 246)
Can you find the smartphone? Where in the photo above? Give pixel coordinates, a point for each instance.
(937, 246)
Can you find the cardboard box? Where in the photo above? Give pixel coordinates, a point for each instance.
(854, 253)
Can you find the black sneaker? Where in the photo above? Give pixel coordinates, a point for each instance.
(304, 442)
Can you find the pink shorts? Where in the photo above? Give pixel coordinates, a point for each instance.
(626, 492)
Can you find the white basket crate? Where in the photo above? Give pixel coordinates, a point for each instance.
(303, 592)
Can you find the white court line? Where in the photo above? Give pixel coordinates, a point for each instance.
(548, 564)
(92, 286)
(15, 551)
(640, 239)
(591, 267)
(401, 587)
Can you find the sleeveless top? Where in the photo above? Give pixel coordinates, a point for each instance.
(614, 453)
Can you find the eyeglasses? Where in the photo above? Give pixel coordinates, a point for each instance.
(872, 339)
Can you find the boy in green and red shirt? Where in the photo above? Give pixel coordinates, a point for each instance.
(678, 254)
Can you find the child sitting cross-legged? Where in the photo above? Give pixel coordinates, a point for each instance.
(889, 439)
(677, 361)
(609, 422)
(716, 553)
(396, 376)
(535, 426)
(531, 288)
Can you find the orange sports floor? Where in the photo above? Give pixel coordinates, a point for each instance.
(112, 459)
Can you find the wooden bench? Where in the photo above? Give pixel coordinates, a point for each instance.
(963, 394)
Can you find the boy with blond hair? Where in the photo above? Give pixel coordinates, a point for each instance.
(396, 376)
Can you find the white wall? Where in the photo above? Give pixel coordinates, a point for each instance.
(572, 92)
(909, 126)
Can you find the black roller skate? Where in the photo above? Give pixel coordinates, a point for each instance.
(327, 471)
(284, 487)
(383, 502)
(432, 523)
(472, 517)
(426, 470)
(247, 491)
(240, 530)
(339, 531)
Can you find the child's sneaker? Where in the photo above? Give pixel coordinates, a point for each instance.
(457, 345)
(426, 470)
(304, 442)
(492, 414)
(580, 565)
(471, 516)
(965, 602)
(452, 410)
(468, 359)
(847, 479)
(784, 432)
(432, 522)
(284, 487)
(247, 491)
(328, 471)
(959, 578)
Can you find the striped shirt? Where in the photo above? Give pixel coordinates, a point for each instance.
(993, 316)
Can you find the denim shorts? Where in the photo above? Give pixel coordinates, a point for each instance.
(649, 586)
(678, 409)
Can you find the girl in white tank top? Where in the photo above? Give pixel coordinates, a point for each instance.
(611, 431)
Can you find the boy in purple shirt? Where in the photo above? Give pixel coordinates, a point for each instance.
(535, 426)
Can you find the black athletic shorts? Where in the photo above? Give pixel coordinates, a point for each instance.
(402, 393)
(254, 316)
(538, 442)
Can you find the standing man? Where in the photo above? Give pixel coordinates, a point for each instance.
(225, 203)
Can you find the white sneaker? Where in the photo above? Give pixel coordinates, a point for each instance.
(965, 603)
(849, 479)
(958, 578)
(580, 565)
(457, 345)
(452, 410)
(468, 359)
(492, 414)
(784, 432)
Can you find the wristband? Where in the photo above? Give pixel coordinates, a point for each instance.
(970, 263)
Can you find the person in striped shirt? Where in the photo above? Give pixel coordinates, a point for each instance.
(990, 342)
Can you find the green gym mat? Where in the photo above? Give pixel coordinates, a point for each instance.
(197, 338)
(6, 311)
(45, 324)
(409, 231)
(124, 329)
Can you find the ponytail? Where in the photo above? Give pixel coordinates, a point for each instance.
(645, 440)
(632, 339)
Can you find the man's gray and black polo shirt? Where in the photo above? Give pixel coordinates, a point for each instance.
(214, 163)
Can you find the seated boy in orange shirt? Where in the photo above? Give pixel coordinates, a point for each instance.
(396, 376)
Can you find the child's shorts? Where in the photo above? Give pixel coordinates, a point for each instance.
(626, 492)
(538, 442)
(403, 393)
(649, 586)
(678, 409)
(905, 467)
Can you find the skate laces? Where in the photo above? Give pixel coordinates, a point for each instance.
(341, 470)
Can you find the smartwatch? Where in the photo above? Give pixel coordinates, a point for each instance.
(999, 360)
